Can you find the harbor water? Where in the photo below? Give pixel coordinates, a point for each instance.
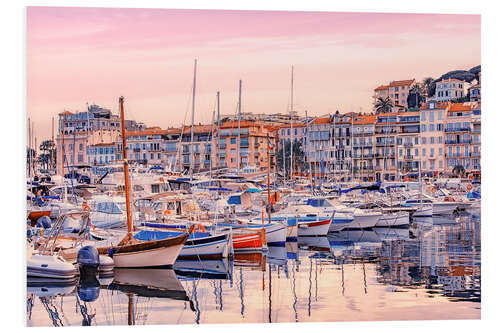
(428, 271)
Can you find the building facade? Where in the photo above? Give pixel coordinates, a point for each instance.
(449, 89)
(433, 117)
(363, 147)
(253, 144)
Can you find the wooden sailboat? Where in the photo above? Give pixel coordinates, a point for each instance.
(131, 253)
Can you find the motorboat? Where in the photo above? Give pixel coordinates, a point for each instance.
(51, 266)
(394, 219)
(199, 245)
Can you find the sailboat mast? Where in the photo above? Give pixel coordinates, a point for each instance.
(125, 168)
(52, 148)
(191, 160)
(218, 127)
(268, 179)
(29, 147)
(307, 150)
(212, 142)
(352, 164)
(291, 129)
(239, 130)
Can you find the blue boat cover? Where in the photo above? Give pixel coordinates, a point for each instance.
(234, 200)
(149, 235)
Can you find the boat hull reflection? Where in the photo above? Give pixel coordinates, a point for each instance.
(160, 283)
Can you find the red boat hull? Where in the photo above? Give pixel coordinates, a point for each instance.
(35, 215)
(249, 240)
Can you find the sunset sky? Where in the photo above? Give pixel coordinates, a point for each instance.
(93, 55)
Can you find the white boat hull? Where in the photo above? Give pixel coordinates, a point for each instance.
(215, 249)
(313, 228)
(424, 211)
(394, 219)
(365, 221)
(159, 257)
(340, 222)
(444, 208)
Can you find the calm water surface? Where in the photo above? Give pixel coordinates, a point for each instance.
(430, 271)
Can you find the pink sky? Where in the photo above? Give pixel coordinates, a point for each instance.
(94, 55)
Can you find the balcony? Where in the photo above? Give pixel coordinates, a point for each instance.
(385, 143)
(459, 142)
(408, 144)
(461, 129)
(137, 150)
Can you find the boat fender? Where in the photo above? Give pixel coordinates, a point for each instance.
(110, 252)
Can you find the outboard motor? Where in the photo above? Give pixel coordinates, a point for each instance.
(44, 222)
(88, 261)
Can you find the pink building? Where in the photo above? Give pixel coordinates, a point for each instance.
(253, 144)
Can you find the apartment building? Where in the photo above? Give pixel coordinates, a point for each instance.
(463, 135)
(253, 144)
(433, 117)
(449, 89)
(397, 91)
(363, 147)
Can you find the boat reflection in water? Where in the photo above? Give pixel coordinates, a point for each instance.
(427, 271)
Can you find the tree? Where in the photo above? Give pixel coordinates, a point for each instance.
(48, 150)
(426, 84)
(415, 98)
(299, 163)
(383, 105)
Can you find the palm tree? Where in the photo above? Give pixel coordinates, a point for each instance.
(383, 105)
(426, 83)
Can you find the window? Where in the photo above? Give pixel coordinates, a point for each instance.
(440, 164)
(423, 151)
(431, 128)
(424, 140)
(431, 116)
(424, 128)
(233, 140)
(80, 158)
(432, 152)
(416, 151)
(440, 151)
(425, 165)
(432, 140)
(422, 116)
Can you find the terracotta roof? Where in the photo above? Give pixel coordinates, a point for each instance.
(102, 144)
(456, 107)
(409, 113)
(441, 105)
(381, 88)
(295, 125)
(244, 123)
(199, 129)
(365, 120)
(321, 120)
(148, 131)
(401, 83)
(65, 113)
